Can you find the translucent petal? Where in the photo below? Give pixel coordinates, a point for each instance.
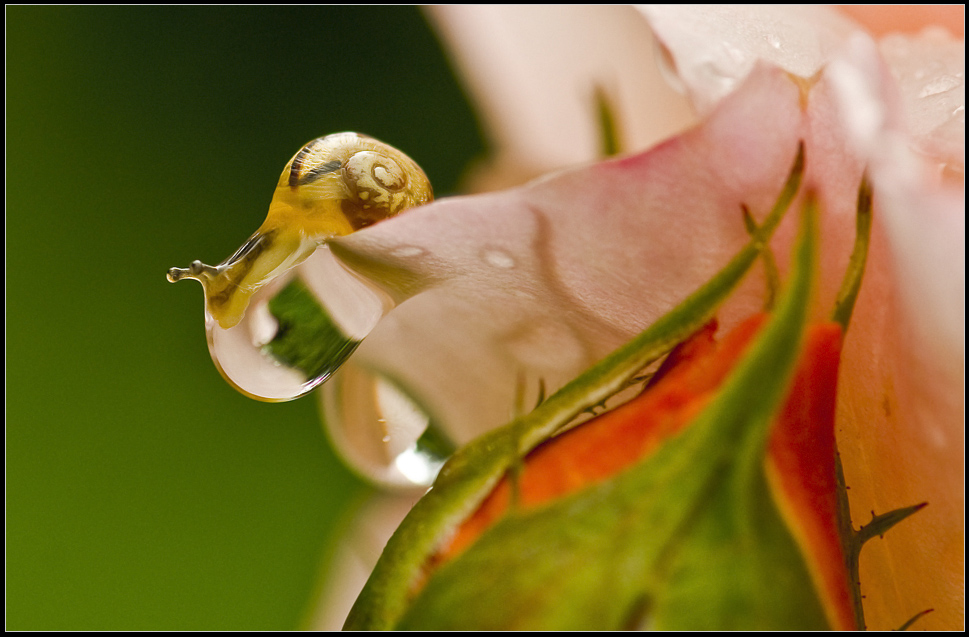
(533, 71)
(713, 48)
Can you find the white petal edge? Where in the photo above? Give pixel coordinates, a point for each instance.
(533, 72)
(714, 47)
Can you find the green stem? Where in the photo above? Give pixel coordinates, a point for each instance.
(852, 542)
(610, 143)
(919, 615)
(851, 283)
(770, 264)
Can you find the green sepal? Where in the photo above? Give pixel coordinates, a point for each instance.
(610, 143)
(473, 471)
(853, 541)
(689, 538)
(851, 284)
(919, 615)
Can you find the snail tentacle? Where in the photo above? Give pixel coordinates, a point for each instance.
(333, 186)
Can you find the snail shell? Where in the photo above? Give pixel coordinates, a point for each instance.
(333, 186)
(370, 180)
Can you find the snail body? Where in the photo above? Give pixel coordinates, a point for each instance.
(333, 186)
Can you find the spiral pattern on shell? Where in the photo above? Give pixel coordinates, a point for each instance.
(377, 181)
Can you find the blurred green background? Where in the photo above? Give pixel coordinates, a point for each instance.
(142, 491)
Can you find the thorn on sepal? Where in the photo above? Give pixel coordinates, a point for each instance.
(881, 523)
(919, 615)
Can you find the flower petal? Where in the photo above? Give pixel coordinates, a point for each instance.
(904, 361)
(880, 19)
(801, 470)
(713, 48)
(901, 403)
(640, 546)
(534, 71)
(540, 282)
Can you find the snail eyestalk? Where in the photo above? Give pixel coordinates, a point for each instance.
(333, 186)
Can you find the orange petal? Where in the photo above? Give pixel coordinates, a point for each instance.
(801, 470)
(605, 445)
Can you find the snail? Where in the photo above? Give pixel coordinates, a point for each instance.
(333, 186)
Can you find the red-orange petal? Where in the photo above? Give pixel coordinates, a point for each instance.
(801, 470)
(605, 445)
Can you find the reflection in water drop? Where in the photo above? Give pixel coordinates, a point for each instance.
(498, 258)
(380, 430)
(297, 330)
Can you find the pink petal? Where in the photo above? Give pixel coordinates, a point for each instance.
(880, 19)
(714, 47)
(901, 404)
(351, 561)
(541, 281)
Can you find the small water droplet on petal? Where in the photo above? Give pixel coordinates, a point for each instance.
(407, 252)
(938, 85)
(498, 258)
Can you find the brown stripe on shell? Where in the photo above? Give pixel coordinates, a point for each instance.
(323, 169)
(297, 166)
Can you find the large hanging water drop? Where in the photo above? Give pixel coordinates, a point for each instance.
(276, 331)
(297, 329)
(275, 336)
(381, 430)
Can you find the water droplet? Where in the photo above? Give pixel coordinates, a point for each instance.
(736, 56)
(716, 76)
(418, 467)
(407, 252)
(940, 84)
(380, 430)
(773, 40)
(297, 330)
(498, 258)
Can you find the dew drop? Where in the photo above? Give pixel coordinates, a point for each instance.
(407, 252)
(940, 84)
(380, 430)
(547, 345)
(498, 258)
(297, 330)
(716, 76)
